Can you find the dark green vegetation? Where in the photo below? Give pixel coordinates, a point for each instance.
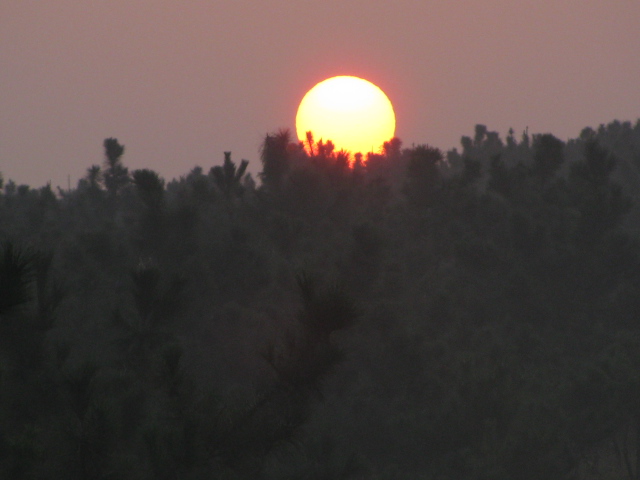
(468, 316)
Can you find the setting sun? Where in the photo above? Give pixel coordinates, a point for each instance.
(351, 112)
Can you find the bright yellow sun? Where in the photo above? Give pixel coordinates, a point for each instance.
(351, 112)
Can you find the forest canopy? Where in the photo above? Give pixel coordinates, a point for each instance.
(409, 314)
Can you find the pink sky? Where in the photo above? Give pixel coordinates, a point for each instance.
(178, 83)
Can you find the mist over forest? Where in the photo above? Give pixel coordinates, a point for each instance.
(470, 314)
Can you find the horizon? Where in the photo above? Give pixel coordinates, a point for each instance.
(179, 84)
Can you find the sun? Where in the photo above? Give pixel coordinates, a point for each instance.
(353, 113)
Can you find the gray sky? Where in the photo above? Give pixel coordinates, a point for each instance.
(178, 83)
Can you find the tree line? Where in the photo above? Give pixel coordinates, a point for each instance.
(409, 314)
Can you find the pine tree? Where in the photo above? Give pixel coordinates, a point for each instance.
(116, 175)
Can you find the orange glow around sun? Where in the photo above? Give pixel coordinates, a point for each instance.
(351, 112)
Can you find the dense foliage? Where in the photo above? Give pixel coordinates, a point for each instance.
(468, 315)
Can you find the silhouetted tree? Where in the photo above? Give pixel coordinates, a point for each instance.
(423, 175)
(93, 179)
(392, 148)
(150, 188)
(548, 156)
(275, 158)
(602, 203)
(228, 178)
(116, 175)
(10, 188)
(310, 142)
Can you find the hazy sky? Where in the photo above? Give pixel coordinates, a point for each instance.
(178, 83)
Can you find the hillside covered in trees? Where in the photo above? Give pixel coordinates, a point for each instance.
(473, 314)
